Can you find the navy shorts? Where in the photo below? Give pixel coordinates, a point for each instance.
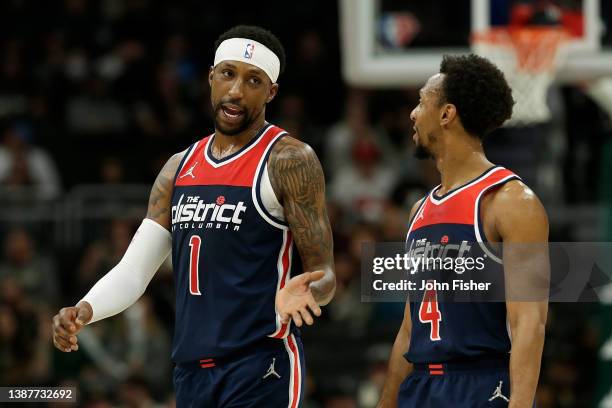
(268, 374)
(474, 384)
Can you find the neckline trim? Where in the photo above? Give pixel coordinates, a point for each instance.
(227, 159)
(438, 199)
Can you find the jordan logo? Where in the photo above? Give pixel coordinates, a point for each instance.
(421, 216)
(498, 393)
(190, 171)
(271, 370)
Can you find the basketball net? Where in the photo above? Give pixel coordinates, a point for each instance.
(530, 58)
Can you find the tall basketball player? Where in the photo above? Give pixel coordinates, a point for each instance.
(469, 354)
(230, 209)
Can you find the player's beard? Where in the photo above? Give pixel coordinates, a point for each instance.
(247, 120)
(422, 153)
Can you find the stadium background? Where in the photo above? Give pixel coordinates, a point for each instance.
(96, 95)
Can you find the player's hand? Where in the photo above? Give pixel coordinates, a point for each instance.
(295, 299)
(68, 323)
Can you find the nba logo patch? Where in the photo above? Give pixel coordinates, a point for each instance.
(248, 51)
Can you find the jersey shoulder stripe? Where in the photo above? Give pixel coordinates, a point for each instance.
(458, 205)
(262, 182)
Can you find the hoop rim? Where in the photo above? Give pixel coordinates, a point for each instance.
(536, 47)
(531, 32)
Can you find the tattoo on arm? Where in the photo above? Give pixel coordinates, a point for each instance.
(297, 178)
(161, 193)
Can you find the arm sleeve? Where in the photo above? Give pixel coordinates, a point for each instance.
(125, 283)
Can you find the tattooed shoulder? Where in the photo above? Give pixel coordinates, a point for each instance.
(297, 179)
(161, 193)
(292, 166)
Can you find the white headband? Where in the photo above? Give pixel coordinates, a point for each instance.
(251, 52)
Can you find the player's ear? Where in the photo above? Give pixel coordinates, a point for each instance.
(272, 93)
(211, 72)
(447, 114)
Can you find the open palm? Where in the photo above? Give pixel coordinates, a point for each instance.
(295, 299)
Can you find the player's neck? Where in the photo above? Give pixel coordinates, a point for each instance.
(224, 145)
(460, 160)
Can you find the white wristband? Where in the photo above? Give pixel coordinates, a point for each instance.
(125, 283)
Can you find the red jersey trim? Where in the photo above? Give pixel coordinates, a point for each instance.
(459, 205)
(237, 171)
(453, 193)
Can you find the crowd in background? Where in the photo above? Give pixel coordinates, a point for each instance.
(103, 92)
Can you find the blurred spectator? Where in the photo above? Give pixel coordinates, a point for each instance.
(93, 111)
(341, 401)
(310, 388)
(13, 79)
(394, 224)
(169, 110)
(103, 254)
(294, 119)
(315, 70)
(369, 390)
(118, 64)
(26, 171)
(545, 396)
(341, 136)
(34, 272)
(132, 344)
(8, 338)
(347, 305)
(150, 344)
(354, 126)
(135, 393)
(365, 184)
(24, 337)
(408, 191)
(178, 53)
(391, 112)
(112, 171)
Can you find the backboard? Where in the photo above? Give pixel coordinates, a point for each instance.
(393, 43)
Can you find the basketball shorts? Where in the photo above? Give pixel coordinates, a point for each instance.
(472, 384)
(268, 374)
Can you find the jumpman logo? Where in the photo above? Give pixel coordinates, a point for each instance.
(498, 393)
(271, 370)
(190, 171)
(421, 216)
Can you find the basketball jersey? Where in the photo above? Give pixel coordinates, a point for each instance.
(445, 331)
(231, 249)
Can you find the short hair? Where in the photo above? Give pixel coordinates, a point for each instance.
(258, 34)
(479, 91)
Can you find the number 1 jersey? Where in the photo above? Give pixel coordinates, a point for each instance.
(231, 249)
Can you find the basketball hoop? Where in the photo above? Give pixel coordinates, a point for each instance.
(530, 58)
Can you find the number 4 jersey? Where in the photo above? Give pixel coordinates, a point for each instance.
(231, 249)
(445, 331)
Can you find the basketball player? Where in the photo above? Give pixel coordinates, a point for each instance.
(462, 354)
(230, 209)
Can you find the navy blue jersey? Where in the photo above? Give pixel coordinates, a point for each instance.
(231, 250)
(447, 331)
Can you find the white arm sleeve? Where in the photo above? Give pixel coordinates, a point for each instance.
(126, 282)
